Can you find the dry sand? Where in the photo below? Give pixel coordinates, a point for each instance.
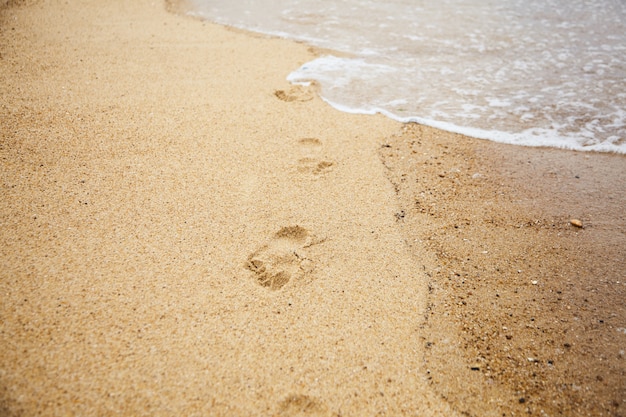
(184, 233)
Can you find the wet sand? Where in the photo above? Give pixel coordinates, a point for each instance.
(525, 310)
(185, 233)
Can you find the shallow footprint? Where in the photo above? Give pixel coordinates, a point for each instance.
(296, 93)
(314, 166)
(311, 162)
(283, 259)
(301, 405)
(310, 143)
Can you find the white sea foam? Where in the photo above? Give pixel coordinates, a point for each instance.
(532, 72)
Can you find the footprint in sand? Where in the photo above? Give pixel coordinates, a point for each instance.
(295, 93)
(301, 405)
(310, 144)
(314, 166)
(284, 258)
(311, 163)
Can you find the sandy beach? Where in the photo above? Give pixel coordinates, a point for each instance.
(183, 232)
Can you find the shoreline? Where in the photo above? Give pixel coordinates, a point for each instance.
(166, 225)
(538, 134)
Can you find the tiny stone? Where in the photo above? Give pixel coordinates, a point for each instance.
(534, 282)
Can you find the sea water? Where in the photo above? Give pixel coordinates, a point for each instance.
(527, 72)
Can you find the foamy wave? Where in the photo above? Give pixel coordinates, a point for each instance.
(528, 72)
(341, 78)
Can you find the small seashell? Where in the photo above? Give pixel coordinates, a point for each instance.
(576, 222)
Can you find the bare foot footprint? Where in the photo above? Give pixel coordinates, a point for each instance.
(310, 143)
(311, 162)
(314, 166)
(295, 93)
(284, 258)
(301, 405)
